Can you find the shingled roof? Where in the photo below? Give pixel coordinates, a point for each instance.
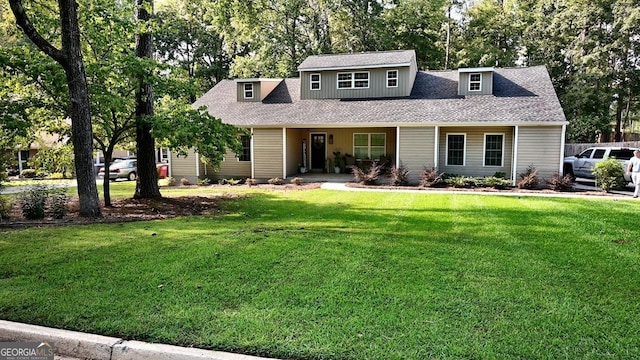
(522, 96)
(358, 60)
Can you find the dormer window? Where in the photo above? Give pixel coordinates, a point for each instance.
(353, 80)
(314, 83)
(475, 82)
(248, 91)
(392, 78)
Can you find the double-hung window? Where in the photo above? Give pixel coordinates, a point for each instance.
(353, 80)
(248, 91)
(369, 146)
(493, 150)
(392, 78)
(456, 149)
(246, 148)
(314, 82)
(475, 82)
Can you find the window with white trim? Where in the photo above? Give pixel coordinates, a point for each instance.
(369, 145)
(246, 148)
(353, 80)
(456, 144)
(392, 78)
(493, 149)
(475, 82)
(248, 91)
(314, 82)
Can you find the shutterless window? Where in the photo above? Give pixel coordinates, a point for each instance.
(493, 149)
(369, 146)
(354, 80)
(475, 82)
(455, 149)
(622, 154)
(248, 91)
(246, 148)
(599, 153)
(392, 78)
(314, 82)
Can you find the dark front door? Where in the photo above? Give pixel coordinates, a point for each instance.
(318, 151)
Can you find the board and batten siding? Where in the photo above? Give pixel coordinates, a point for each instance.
(486, 83)
(256, 91)
(539, 146)
(377, 84)
(267, 151)
(474, 151)
(416, 150)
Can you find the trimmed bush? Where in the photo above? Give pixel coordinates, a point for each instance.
(185, 181)
(251, 182)
(171, 181)
(33, 202)
(6, 203)
(58, 201)
(399, 175)
(430, 177)
(560, 183)
(609, 174)
(528, 179)
(204, 182)
(368, 177)
(296, 181)
(275, 181)
(497, 182)
(56, 176)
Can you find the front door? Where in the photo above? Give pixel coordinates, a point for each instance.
(318, 151)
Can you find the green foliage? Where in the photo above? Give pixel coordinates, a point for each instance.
(29, 173)
(56, 159)
(171, 181)
(204, 182)
(185, 182)
(609, 174)
(497, 182)
(461, 181)
(231, 181)
(33, 202)
(6, 204)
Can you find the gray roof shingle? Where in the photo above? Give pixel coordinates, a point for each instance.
(521, 96)
(358, 60)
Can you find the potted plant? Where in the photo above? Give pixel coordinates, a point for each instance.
(337, 162)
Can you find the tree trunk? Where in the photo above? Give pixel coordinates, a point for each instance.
(70, 57)
(147, 182)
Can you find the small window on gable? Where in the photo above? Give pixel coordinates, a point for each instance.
(475, 82)
(314, 83)
(248, 91)
(392, 78)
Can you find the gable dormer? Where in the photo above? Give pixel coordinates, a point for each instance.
(384, 74)
(475, 81)
(255, 90)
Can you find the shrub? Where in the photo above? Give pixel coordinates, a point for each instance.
(500, 175)
(461, 182)
(528, 179)
(609, 174)
(399, 175)
(369, 177)
(430, 177)
(33, 202)
(275, 181)
(497, 182)
(185, 181)
(231, 181)
(204, 182)
(296, 181)
(560, 183)
(6, 203)
(28, 173)
(56, 176)
(68, 175)
(171, 181)
(58, 203)
(251, 182)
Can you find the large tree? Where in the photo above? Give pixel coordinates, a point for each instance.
(147, 182)
(69, 56)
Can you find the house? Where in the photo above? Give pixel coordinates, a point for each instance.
(378, 105)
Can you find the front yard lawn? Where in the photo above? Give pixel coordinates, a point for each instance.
(346, 275)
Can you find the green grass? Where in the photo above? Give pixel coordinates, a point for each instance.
(347, 275)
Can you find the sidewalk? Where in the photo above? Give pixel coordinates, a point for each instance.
(72, 345)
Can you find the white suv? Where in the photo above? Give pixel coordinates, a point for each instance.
(582, 164)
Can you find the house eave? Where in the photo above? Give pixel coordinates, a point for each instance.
(412, 125)
(354, 67)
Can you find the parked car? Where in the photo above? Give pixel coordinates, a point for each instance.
(581, 165)
(122, 169)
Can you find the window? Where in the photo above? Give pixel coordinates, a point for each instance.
(369, 146)
(354, 80)
(248, 91)
(455, 149)
(475, 82)
(622, 154)
(493, 149)
(392, 78)
(314, 82)
(246, 148)
(599, 153)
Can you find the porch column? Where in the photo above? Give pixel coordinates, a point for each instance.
(436, 145)
(197, 165)
(284, 153)
(514, 171)
(562, 142)
(397, 146)
(253, 157)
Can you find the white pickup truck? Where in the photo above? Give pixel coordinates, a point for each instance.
(581, 165)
